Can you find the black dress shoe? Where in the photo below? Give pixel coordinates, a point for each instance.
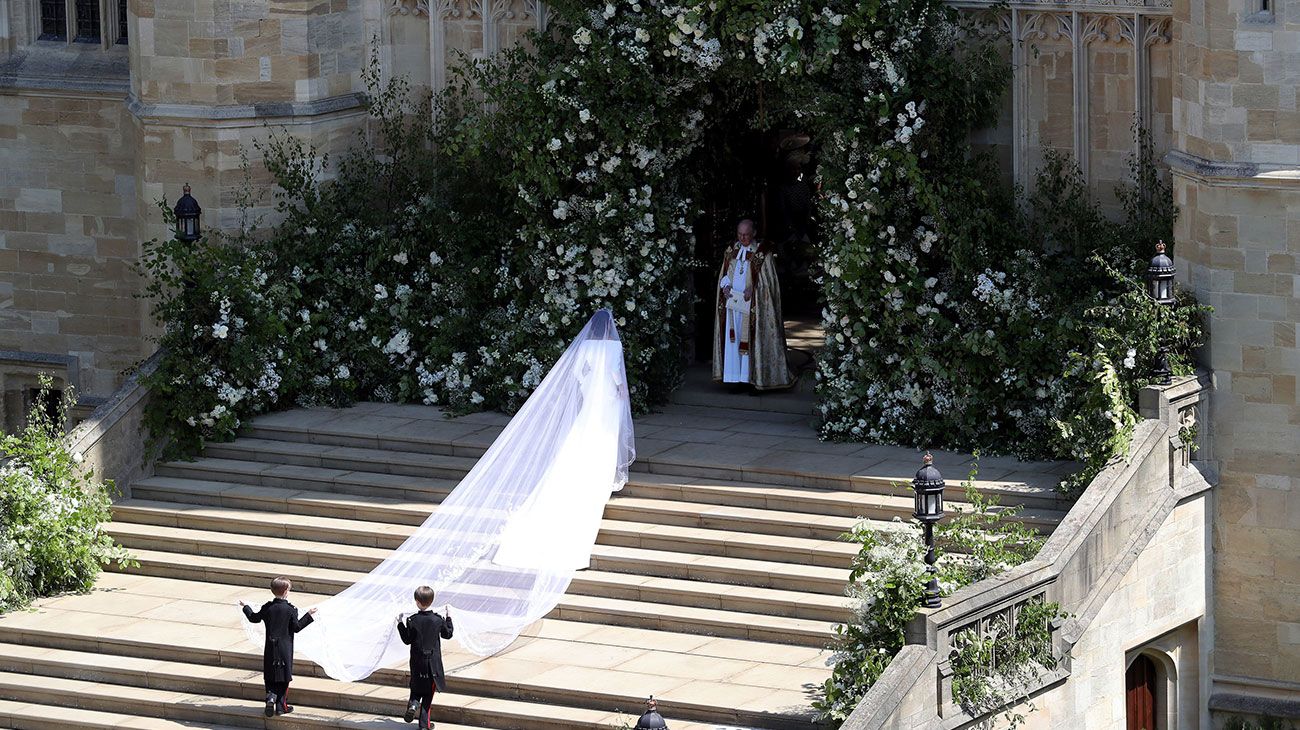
(271, 705)
(285, 709)
(412, 709)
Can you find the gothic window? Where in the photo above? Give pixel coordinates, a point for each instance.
(54, 20)
(101, 22)
(87, 21)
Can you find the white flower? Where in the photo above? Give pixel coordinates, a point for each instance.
(400, 257)
(475, 398)
(555, 144)
(1130, 361)
(582, 37)
(609, 10)
(381, 292)
(78, 457)
(889, 277)
(584, 115)
(434, 258)
(220, 331)
(642, 35)
(342, 372)
(400, 344)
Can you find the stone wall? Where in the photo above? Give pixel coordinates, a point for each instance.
(1081, 79)
(68, 238)
(92, 136)
(1237, 183)
(1157, 609)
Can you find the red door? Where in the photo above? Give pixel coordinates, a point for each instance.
(1140, 697)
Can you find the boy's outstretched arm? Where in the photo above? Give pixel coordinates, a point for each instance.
(402, 630)
(446, 625)
(252, 616)
(304, 621)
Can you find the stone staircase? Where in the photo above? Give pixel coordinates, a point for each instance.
(714, 584)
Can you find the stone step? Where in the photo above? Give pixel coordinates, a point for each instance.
(288, 476)
(344, 466)
(670, 591)
(588, 609)
(382, 704)
(184, 707)
(631, 531)
(717, 680)
(34, 716)
(767, 571)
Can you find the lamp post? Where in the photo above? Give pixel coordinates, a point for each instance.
(1160, 285)
(928, 486)
(187, 217)
(651, 720)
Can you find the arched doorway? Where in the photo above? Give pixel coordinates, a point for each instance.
(1140, 683)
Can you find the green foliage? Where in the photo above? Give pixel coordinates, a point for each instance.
(887, 582)
(994, 671)
(1014, 329)
(51, 511)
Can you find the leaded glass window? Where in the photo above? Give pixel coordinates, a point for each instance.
(121, 21)
(87, 21)
(54, 20)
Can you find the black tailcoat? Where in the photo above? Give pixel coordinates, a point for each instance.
(424, 631)
(282, 622)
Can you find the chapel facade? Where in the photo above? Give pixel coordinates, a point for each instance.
(107, 106)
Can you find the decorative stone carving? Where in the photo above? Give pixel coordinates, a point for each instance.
(1158, 32)
(408, 7)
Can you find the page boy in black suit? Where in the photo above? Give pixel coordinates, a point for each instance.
(424, 631)
(282, 622)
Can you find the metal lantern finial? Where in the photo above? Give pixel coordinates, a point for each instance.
(187, 216)
(1160, 285)
(651, 720)
(928, 486)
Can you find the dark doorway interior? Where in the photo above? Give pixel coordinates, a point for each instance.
(768, 177)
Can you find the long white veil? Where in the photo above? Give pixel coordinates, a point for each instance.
(502, 548)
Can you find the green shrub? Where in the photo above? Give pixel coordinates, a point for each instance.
(888, 579)
(52, 510)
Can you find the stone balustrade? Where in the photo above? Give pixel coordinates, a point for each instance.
(1079, 567)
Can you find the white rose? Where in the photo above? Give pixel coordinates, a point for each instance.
(555, 144)
(400, 257)
(220, 331)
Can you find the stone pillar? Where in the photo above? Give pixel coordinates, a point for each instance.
(1236, 165)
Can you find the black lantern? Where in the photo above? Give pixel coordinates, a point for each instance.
(1160, 285)
(928, 486)
(651, 720)
(187, 217)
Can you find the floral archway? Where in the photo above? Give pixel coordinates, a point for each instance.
(450, 262)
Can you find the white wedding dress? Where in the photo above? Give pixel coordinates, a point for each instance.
(503, 546)
(569, 497)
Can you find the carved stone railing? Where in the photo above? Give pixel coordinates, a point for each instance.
(1078, 568)
(113, 439)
